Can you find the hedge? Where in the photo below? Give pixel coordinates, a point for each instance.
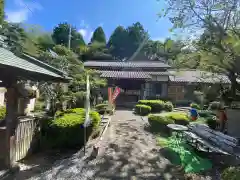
(157, 105)
(2, 113)
(142, 109)
(160, 121)
(66, 130)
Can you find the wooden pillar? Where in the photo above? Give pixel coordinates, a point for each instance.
(11, 123)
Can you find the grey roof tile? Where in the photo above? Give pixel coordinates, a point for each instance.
(125, 74)
(197, 76)
(9, 59)
(140, 64)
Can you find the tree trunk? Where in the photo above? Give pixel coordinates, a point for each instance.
(233, 79)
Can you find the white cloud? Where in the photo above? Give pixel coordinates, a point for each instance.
(22, 11)
(83, 32)
(86, 31)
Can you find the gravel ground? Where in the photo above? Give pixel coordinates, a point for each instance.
(127, 152)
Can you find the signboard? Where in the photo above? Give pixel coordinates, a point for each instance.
(116, 93)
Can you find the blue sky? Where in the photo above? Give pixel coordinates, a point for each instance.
(87, 15)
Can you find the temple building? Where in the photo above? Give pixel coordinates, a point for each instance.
(151, 80)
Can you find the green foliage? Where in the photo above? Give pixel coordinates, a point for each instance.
(177, 116)
(125, 43)
(61, 35)
(215, 105)
(104, 108)
(2, 113)
(118, 42)
(39, 106)
(195, 106)
(205, 113)
(168, 106)
(65, 130)
(183, 103)
(98, 36)
(212, 123)
(142, 109)
(231, 173)
(156, 105)
(160, 119)
(15, 37)
(2, 14)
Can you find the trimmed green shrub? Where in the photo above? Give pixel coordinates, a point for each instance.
(231, 173)
(212, 123)
(102, 108)
(195, 106)
(142, 109)
(158, 123)
(2, 113)
(183, 103)
(168, 106)
(215, 105)
(156, 105)
(205, 113)
(178, 117)
(66, 130)
(159, 119)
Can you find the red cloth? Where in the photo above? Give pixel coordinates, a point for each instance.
(194, 118)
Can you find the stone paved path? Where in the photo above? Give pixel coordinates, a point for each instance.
(127, 152)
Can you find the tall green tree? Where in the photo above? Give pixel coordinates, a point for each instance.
(117, 43)
(98, 36)
(221, 20)
(60, 35)
(1, 11)
(137, 38)
(128, 43)
(15, 37)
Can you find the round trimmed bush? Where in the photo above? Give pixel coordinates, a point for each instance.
(168, 106)
(195, 106)
(66, 130)
(158, 123)
(156, 105)
(142, 109)
(179, 117)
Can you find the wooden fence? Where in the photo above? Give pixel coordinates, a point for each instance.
(26, 137)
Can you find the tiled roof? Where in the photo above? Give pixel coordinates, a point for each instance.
(159, 73)
(7, 58)
(197, 76)
(125, 74)
(135, 64)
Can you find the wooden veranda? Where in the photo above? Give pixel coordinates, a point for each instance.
(12, 70)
